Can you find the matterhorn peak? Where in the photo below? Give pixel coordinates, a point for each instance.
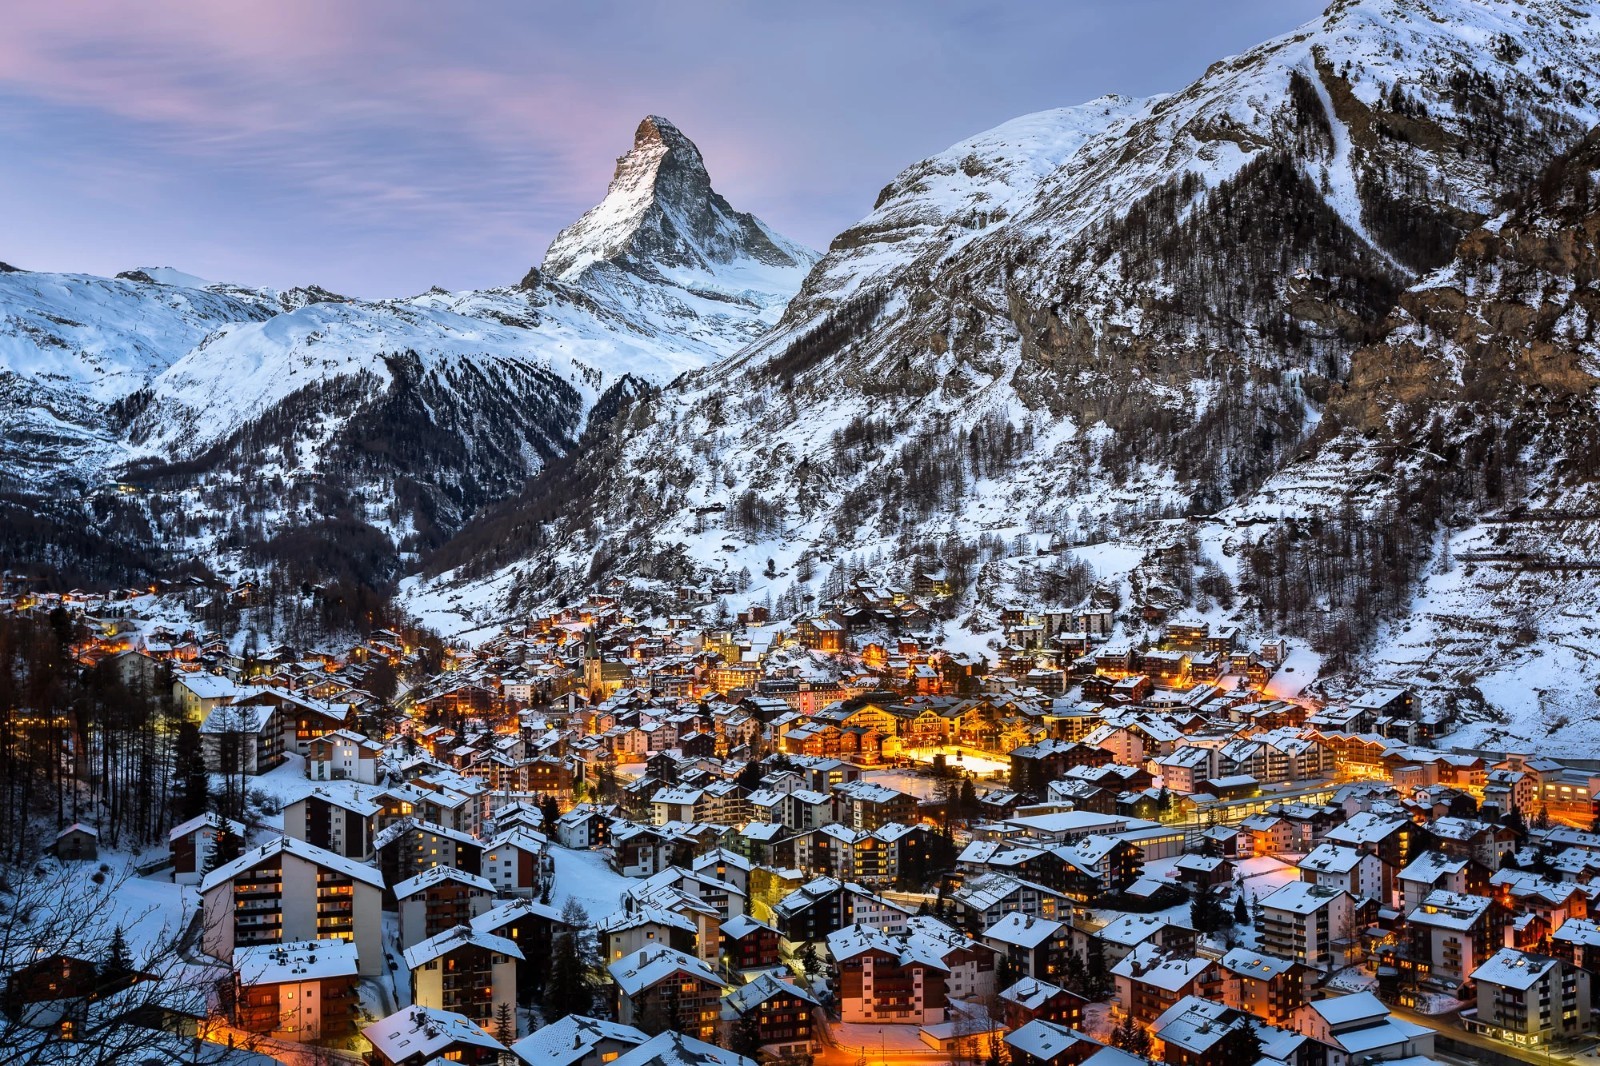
(661, 214)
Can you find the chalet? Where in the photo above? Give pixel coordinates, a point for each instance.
(909, 976)
(1456, 934)
(342, 755)
(1196, 1032)
(300, 991)
(531, 926)
(577, 1040)
(437, 899)
(824, 905)
(1149, 981)
(1358, 1028)
(1033, 1000)
(291, 891)
(465, 971)
(1034, 947)
(1266, 986)
(1044, 1043)
(781, 1012)
(748, 944)
(334, 821)
(1528, 999)
(1311, 924)
(661, 983)
(415, 1036)
(192, 844)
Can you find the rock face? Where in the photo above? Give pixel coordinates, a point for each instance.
(1465, 451)
(236, 419)
(661, 214)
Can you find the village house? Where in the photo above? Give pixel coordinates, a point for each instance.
(416, 1036)
(909, 976)
(662, 987)
(437, 899)
(467, 972)
(577, 1040)
(302, 991)
(1531, 999)
(781, 1013)
(288, 891)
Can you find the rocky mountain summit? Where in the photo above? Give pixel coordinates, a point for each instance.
(660, 216)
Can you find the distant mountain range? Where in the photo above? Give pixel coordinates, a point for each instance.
(154, 416)
(1306, 346)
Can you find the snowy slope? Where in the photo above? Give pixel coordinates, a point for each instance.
(244, 385)
(1087, 322)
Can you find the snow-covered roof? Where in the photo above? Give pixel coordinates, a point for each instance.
(645, 967)
(1148, 964)
(208, 820)
(305, 960)
(300, 850)
(573, 1038)
(1331, 859)
(457, 937)
(1302, 897)
(1044, 1040)
(1247, 963)
(1022, 930)
(435, 875)
(675, 1049)
(415, 1031)
(1511, 968)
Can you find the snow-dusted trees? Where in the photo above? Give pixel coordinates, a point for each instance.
(81, 973)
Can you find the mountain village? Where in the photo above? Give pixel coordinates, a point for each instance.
(835, 838)
(1129, 601)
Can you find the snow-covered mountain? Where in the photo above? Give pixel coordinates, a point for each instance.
(212, 418)
(1082, 327)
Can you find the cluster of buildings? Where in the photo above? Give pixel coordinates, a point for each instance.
(1152, 828)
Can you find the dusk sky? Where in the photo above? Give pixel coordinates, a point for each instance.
(377, 148)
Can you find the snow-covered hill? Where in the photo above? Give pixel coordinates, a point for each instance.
(223, 396)
(1084, 326)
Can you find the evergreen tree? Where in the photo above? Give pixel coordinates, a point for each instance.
(1076, 976)
(1241, 913)
(1242, 1044)
(749, 777)
(224, 849)
(1206, 913)
(1133, 1038)
(118, 963)
(810, 961)
(551, 810)
(968, 803)
(745, 1036)
(567, 990)
(193, 795)
(505, 1024)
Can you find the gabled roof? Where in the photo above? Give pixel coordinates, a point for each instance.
(646, 967)
(1022, 930)
(423, 1031)
(675, 1049)
(1511, 968)
(1044, 1040)
(571, 1039)
(300, 850)
(435, 875)
(458, 937)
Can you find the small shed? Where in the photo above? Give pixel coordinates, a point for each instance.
(76, 841)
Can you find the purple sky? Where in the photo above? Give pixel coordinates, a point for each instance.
(377, 148)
